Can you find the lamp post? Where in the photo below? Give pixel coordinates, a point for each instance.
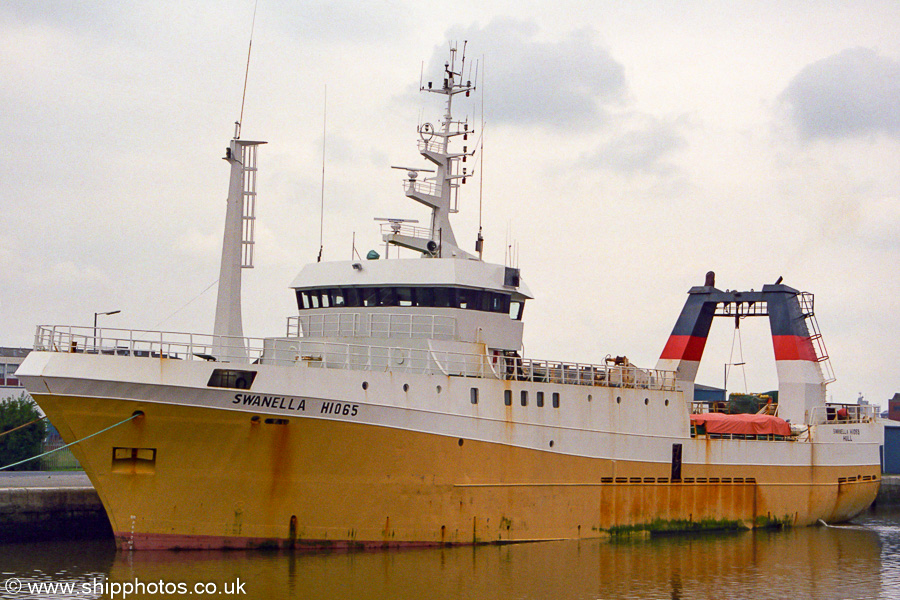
(96, 314)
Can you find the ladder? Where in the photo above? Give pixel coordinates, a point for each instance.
(807, 309)
(248, 211)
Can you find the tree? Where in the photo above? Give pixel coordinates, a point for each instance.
(25, 442)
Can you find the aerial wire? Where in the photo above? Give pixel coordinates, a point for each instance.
(186, 304)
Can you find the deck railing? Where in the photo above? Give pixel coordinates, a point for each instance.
(843, 413)
(303, 352)
(351, 324)
(150, 344)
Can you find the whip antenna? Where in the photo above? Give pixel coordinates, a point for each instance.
(479, 241)
(322, 207)
(237, 133)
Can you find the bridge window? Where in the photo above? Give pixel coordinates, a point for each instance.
(387, 297)
(369, 296)
(444, 297)
(423, 296)
(337, 297)
(428, 297)
(404, 296)
(516, 307)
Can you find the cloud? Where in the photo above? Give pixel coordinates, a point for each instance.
(853, 93)
(877, 222)
(565, 83)
(641, 149)
(343, 21)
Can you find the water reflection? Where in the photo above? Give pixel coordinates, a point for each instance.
(856, 561)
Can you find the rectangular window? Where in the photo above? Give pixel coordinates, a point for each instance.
(484, 300)
(555, 399)
(337, 297)
(404, 296)
(463, 298)
(500, 303)
(443, 297)
(314, 299)
(515, 309)
(473, 395)
(326, 299)
(540, 398)
(304, 299)
(351, 297)
(424, 296)
(524, 398)
(369, 296)
(507, 397)
(231, 378)
(387, 297)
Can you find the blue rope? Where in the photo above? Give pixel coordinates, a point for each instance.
(137, 414)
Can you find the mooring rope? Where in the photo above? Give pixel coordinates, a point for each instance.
(25, 425)
(134, 416)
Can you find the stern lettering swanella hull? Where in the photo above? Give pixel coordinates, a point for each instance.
(399, 408)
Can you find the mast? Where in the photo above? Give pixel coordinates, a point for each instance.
(439, 192)
(237, 248)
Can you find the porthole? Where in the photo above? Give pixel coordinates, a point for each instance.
(618, 399)
(667, 401)
(460, 442)
(590, 397)
(647, 401)
(551, 443)
(365, 385)
(405, 387)
(438, 389)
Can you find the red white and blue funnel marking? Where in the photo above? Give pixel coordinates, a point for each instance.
(801, 385)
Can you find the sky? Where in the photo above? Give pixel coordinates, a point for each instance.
(629, 148)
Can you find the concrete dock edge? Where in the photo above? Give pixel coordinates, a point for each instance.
(44, 513)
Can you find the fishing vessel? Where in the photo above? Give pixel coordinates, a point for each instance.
(400, 409)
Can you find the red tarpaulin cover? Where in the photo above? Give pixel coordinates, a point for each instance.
(742, 424)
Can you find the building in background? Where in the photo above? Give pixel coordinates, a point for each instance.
(10, 359)
(894, 407)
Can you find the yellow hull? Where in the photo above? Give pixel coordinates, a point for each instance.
(196, 477)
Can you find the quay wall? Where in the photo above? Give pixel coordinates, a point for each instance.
(37, 513)
(889, 494)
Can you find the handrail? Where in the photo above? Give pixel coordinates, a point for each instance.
(422, 186)
(145, 343)
(843, 413)
(384, 325)
(396, 228)
(607, 375)
(312, 353)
